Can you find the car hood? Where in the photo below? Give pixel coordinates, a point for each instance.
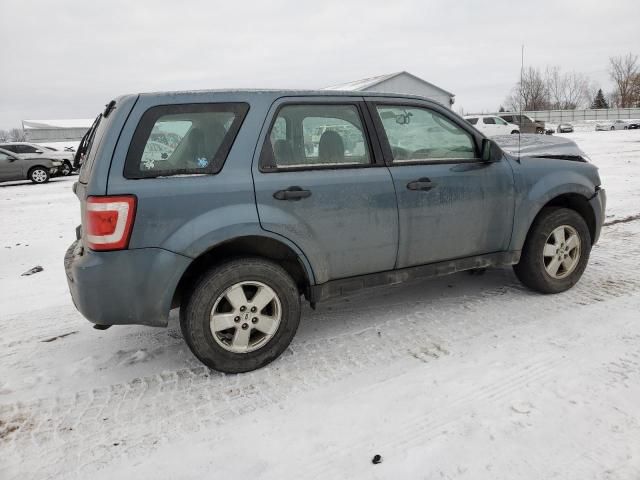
(542, 146)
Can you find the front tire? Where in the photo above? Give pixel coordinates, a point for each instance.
(241, 315)
(39, 175)
(66, 169)
(556, 251)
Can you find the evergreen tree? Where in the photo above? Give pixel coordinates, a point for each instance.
(501, 109)
(599, 101)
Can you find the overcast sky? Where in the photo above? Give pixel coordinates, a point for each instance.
(66, 59)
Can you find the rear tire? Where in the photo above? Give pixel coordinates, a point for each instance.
(39, 175)
(513, 132)
(543, 251)
(223, 327)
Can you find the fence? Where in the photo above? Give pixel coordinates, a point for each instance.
(556, 116)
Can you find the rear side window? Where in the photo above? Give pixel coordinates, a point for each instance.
(488, 121)
(472, 121)
(316, 136)
(186, 139)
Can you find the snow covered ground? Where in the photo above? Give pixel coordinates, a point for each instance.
(457, 377)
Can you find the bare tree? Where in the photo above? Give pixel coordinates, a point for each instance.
(4, 136)
(16, 135)
(625, 73)
(531, 92)
(567, 91)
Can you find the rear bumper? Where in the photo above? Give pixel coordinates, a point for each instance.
(125, 286)
(599, 204)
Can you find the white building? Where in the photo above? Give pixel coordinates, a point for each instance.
(399, 82)
(49, 131)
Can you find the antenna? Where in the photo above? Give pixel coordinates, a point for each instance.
(521, 96)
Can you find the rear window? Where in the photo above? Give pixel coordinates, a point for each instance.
(186, 139)
(86, 153)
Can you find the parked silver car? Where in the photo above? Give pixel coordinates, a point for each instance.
(565, 128)
(33, 150)
(612, 125)
(36, 169)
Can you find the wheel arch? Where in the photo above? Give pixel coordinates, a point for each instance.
(262, 246)
(573, 201)
(33, 167)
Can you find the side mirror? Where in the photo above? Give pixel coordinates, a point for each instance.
(490, 151)
(39, 151)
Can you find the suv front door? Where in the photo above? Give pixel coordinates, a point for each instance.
(451, 204)
(331, 193)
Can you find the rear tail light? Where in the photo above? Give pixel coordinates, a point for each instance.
(108, 221)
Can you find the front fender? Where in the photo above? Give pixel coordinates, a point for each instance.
(539, 181)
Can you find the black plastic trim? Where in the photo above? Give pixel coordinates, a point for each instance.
(345, 286)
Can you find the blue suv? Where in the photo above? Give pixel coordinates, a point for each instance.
(232, 205)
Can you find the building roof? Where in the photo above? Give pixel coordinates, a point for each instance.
(364, 83)
(54, 124)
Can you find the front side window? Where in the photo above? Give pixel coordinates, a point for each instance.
(183, 139)
(418, 134)
(4, 156)
(315, 135)
(500, 121)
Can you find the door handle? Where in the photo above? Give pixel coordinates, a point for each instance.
(422, 184)
(292, 193)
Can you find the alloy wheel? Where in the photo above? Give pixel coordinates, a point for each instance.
(561, 253)
(245, 317)
(39, 176)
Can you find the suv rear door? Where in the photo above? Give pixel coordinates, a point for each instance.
(451, 204)
(335, 198)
